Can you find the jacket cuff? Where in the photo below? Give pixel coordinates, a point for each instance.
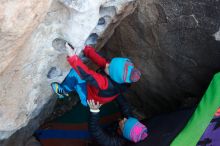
(72, 59)
(94, 110)
(87, 49)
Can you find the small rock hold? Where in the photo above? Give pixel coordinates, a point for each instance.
(92, 39)
(101, 21)
(54, 72)
(32, 142)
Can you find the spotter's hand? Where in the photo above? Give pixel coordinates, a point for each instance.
(94, 107)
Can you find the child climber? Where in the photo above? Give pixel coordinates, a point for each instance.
(130, 128)
(102, 87)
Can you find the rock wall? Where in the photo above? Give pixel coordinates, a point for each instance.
(29, 62)
(18, 19)
(176, 45)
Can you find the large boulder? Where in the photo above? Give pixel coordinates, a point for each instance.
(18, 19)
(176, 46)
(30, 58)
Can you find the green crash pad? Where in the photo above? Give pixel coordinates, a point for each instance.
(202, 116)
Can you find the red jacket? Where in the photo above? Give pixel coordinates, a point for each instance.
(99, 87)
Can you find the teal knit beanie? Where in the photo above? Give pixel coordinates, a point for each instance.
(122, 70)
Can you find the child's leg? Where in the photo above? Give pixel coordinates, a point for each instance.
(81, 89)
(74, 82)
(70, 81)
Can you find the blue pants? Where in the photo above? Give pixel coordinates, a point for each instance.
(73, 82)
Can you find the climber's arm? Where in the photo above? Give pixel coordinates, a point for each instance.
(94, 56)
(96, 131)
(87, 74)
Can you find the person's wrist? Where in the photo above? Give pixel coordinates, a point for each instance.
(94, 110)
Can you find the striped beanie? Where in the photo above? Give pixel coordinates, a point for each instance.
(122, 70)
(134, 131)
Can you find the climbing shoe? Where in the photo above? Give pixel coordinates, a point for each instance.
(58, 89)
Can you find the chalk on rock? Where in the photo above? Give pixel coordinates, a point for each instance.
(108, 11)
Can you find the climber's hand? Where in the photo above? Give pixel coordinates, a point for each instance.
(70, 51)
(94, 107)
